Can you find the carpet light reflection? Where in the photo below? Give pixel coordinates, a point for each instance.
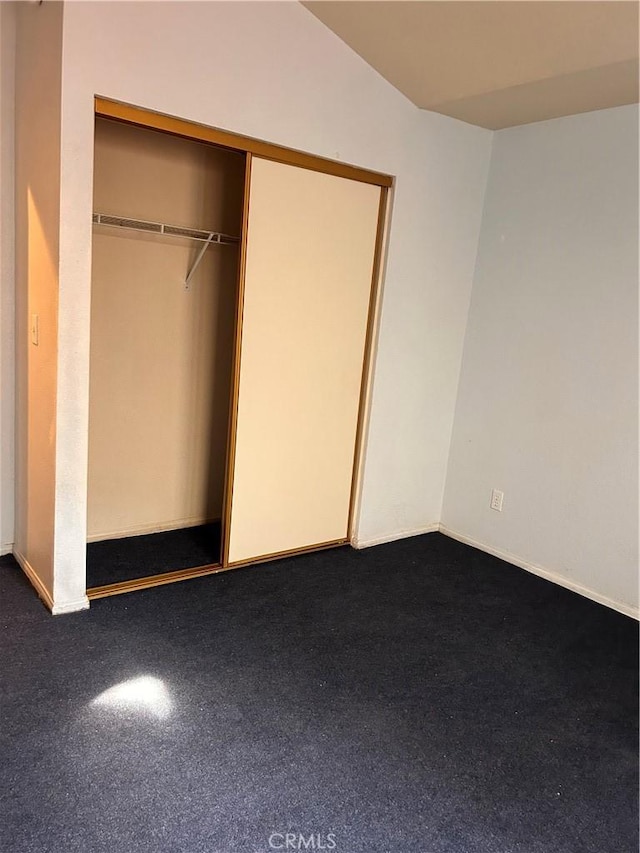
(145, 694)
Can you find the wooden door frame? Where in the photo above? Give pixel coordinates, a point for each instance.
(148, 119)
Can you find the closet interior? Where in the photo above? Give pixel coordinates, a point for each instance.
(166, 247)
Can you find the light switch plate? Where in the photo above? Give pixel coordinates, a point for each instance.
(35, 330)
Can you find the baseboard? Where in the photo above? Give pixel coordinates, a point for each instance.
(56, 609)
(34, 580)
(392, 537)
(5, 549)
(71, 606)
(547, 574)
(144, 529)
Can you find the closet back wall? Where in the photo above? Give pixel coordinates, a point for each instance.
(160, 354)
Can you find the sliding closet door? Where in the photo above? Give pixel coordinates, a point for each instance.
(309, 263)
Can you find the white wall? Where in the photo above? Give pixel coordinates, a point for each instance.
(547, 405)
(7, 273)
(436, 224)
(273, 71)
(37, 216)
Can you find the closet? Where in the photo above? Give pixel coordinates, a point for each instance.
(233, 294)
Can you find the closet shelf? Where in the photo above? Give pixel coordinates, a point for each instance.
(162, 228)
(207, 238)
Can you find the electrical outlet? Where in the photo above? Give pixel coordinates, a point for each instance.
(496, 500)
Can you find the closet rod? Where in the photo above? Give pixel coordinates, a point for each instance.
(207, 238)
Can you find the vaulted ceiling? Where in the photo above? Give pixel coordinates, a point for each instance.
(496, 64)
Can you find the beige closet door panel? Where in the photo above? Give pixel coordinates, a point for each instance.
(310, 252)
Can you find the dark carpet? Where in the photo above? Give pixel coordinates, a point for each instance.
(416, 697)
(115, 560)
